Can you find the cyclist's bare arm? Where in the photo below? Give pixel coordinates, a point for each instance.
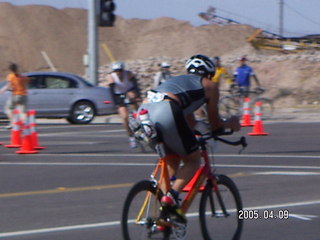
(256, 80)
(191, 120)
(212, 98)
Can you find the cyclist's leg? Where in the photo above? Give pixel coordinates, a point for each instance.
(123, 112)
(186, 172)
(183, 175)
(133, 99)
(173, 163)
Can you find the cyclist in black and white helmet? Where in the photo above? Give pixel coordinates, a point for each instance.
(171, 106)
(200, 65)
(123, 84)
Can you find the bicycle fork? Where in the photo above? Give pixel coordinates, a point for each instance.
(212, 183)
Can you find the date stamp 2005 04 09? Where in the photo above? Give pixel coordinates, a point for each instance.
(254, 214)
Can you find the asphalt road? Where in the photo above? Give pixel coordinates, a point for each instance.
(75, 188)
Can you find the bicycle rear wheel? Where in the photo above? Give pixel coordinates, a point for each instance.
(266, 107)
(219, 210)
(229, 107)
(141, 212)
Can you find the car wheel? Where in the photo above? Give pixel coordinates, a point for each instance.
(82, 112)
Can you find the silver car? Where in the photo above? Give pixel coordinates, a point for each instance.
(64, 95)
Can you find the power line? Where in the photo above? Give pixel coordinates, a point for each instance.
(301, 15)
(268, 26)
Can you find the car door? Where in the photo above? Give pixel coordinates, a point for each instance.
(3, 99)
(52, 95)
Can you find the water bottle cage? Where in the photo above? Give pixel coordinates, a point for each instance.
(148, 133)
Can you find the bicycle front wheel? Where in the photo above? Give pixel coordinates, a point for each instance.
(219, 210)
(229, 107)
(141, 212)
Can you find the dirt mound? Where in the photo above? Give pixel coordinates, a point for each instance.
(62, 34)
(32, 29)
(27, 31)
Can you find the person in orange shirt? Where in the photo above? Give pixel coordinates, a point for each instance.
(17, 83)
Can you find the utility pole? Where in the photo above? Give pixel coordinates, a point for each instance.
(281, 3)
(92, 41)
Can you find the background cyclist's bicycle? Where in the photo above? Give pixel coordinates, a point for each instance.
(232, 104)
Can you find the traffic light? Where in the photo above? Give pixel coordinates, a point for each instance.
(106, 15)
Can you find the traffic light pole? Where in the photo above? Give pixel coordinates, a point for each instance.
(92, 42)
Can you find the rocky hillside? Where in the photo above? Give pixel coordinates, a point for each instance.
(26, 31)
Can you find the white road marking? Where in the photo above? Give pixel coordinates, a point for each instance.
(148, 164)
(135, 155)
(302, 216)
(287, 173)
(116, 223)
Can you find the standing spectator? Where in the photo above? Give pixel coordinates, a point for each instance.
(243, 74)
(163, 75)
(123, 84)
(17, 83)
(221, 72)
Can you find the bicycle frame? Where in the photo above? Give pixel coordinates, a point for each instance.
(193, 186)
(214, 203)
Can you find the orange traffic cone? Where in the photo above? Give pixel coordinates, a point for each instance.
(33, 131)
(246, 118)
(26, 147)
(15, 131)
(258, 128)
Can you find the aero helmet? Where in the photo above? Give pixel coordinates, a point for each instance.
(201, 65)
(117, 66)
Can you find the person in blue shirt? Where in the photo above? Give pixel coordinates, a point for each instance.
(243, 74)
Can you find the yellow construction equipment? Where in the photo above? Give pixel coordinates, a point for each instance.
(266, 40)
(260, 39)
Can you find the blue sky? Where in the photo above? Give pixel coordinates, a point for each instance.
(301, 17)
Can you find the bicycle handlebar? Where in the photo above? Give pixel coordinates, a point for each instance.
(242, 141)
(238, 90)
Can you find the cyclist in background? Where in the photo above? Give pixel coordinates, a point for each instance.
(243, 74)
(171, 106)
(123, 84)
(163, 75)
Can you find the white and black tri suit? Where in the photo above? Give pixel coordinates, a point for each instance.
(169, 116)
(120, 88)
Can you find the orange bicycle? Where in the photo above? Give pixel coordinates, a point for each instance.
(220, 202)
